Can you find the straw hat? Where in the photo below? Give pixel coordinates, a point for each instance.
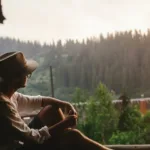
(13, 63)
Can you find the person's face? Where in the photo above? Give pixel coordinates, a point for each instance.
(21, 82)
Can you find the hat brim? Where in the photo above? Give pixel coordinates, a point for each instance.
(31, 65)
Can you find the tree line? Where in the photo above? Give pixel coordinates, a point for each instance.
(120, 61)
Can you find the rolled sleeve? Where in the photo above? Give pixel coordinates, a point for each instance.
(28, 104)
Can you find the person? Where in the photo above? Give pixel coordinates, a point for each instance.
(50, 128)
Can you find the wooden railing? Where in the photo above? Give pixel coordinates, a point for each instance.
(129, 147)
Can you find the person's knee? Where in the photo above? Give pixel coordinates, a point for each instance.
(45, 112)
(74, 133)
(50, 115)
(72, 138)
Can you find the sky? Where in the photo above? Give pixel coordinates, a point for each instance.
(48, 20)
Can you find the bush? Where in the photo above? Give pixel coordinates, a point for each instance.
(129, 137)
(101, 115)
(130, 119)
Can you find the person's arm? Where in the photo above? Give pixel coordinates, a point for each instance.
(65, 106)
(13, 127)
(27, 104)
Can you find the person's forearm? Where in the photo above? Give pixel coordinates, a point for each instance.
(52, 101)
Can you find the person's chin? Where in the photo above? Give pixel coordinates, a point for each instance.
(23, 86)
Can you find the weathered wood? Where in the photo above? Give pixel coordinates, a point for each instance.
(130, 147)
(2, 18)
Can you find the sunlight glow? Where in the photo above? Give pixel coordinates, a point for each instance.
(48, 20)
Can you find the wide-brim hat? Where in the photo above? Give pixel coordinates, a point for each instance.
(15, 62)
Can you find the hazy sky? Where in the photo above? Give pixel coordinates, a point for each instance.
(47, 20)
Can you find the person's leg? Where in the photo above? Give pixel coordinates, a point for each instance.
(47, 116)
(74, 139)
(50, 115)
(71, 139)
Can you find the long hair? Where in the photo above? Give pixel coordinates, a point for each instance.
(7, 80)
(5, 84)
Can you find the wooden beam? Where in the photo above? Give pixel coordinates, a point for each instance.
(2, 18)
(129, 147)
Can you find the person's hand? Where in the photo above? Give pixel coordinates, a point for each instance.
(68, 122)
(70, 110)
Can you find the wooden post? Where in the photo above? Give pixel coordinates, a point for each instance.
(52, 84)
(62, 117)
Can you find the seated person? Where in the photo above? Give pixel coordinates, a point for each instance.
(50, 129)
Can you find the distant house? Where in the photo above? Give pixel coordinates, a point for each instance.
(143, 103)
(63, 55)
